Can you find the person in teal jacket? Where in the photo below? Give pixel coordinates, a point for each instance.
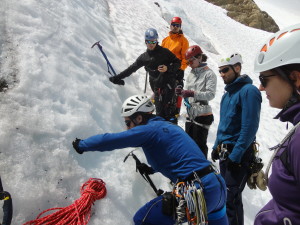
(239, 121)
(170, 151)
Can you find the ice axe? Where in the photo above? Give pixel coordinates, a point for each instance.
(144, 175)
(109, 66)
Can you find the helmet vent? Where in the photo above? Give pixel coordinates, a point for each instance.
(128, 109)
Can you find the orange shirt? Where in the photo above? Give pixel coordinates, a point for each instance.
(177, 44)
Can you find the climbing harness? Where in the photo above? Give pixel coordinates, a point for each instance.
(143, 173)
(7, 206)
(109, 66)
(77, 213)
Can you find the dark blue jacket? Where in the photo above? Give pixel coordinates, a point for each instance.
(239, 116)
(168, 148)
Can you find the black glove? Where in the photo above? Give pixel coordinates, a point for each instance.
(116, 80)
(75, 146)
(145, 169)
(232, 166)
(215, 155)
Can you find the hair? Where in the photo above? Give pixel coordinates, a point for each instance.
(145, 116)
(284, 72)
(204, 57)
(289, 68)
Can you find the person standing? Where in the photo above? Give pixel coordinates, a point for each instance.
(165, 147)
(162, 65)
(278, 63)
(239, 121)
(177, 43)
(200, 89)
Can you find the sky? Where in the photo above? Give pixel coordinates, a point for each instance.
(59, 90)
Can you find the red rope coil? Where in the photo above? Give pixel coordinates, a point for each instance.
(79, 213)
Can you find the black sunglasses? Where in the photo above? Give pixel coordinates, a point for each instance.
(224, 70)
(176, 25)
(127, 122)
(263, 79)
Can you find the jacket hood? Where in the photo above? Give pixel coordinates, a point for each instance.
(199, 69)
(238, 83)
(292, 114)
(175, 35)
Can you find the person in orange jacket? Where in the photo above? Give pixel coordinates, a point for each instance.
(177, 44)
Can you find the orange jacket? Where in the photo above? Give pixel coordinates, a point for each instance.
(177, 44)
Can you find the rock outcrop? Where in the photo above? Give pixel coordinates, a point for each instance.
(247, 13)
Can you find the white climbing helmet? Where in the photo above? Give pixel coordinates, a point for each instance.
(231, 60)
(282, 48)
(137, 103)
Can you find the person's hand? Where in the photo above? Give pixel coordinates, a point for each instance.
(187, 93)
(145, 169)
(215, 155)
(75, 144)
(116, 80)
(232, 166)
(162, 68)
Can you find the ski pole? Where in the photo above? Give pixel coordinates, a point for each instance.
(7, 206)
(144, 175)
(105, 57)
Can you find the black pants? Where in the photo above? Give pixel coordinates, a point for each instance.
(235, 183)
(198, 133)
(165, 103)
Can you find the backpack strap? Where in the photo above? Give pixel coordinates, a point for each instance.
(285, 161)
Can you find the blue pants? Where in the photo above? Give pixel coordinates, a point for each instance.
(215, 196)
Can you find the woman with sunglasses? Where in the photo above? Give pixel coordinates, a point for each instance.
(200, 89)
(170, 151)
(234, 145)
(162, 65)
(278, 63)
(177, 43)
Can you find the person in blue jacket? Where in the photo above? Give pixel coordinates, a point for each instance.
(235, 142)
(170, 151)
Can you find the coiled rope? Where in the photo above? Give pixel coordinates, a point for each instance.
(79, 212)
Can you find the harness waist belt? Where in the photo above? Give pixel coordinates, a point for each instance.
(200, 173)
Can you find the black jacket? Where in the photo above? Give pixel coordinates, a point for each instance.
(151, 60)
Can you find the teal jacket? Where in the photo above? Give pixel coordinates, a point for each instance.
(239, 116)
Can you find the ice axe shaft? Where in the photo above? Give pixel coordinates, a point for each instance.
(105, 57)
(144, 175)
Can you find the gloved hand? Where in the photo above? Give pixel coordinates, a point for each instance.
(187, 93)
(116, 80)
(145, 169)
(257, 180)
(251, 182)
(261, 182)
(232, 166)
(75, 146)
(215, 155)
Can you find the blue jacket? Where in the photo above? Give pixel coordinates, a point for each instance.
(239, 116)
(168, 148)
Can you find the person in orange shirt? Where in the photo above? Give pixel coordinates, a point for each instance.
(177, 44)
